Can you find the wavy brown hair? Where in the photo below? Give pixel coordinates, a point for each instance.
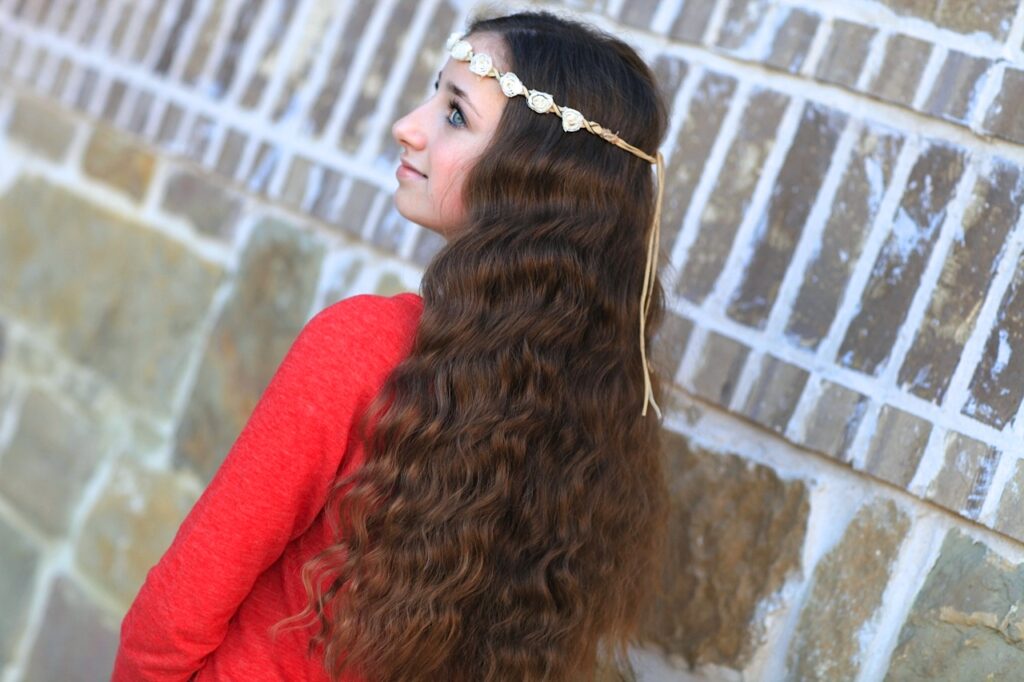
(509, 521)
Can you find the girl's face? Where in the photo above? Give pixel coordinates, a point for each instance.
(443, 137)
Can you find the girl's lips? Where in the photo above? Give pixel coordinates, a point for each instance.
(407, 171)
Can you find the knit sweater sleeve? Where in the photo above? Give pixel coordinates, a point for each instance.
(273, 482)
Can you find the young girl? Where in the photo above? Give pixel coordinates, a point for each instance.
(464, 486)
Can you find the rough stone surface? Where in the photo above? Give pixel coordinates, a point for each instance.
(207, 205)
(41, 127)
(832, 423)
(966, 275)
(854, 209)
(79, 640)
(52, 455)
(727, 516)
(775, 393)
(900, 74)
(18, 562)
(966, 475)
(792, 197)
(730, 199)
(846, 592)
(966, 621)
(845, 53)
(119, 161)
(957, 86)
(897, 270)
(114, 295)
(1010, 514)
(897, 445)
(719, 368)
(995, 392)
(130, 526)
(273, 294)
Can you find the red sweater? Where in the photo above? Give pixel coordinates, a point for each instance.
(233, 568)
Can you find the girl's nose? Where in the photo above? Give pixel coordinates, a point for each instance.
(407, 132)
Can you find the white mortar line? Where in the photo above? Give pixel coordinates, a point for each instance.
(917, 556)
(860, 446)
(817, 47)
(1001, 477)
(878, 16)
(395, 79)
(691, 359)
(369, 44)
(747, 239)
(746, 379)
(133, 31)
(873, 61)
(245, 121)
(1014, 37)
(614, 9)
(101, 39)
(929, 278)
(932, 460)
(287, 53)
(48, 73)
(665, 15)
(929, 75)
(810, 239)
(252, 49)
(207, 77)
(710, 171)
(715, 22)
(881, 228)
(679, 107)
(374, 215)
(318, 69)
(974, 348)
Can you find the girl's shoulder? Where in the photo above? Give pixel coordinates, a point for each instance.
(371, 313)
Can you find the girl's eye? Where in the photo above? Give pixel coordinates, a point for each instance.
(455, 117)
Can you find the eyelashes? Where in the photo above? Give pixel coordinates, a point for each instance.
(455, 109)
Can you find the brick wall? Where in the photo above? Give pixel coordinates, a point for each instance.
(183, 184)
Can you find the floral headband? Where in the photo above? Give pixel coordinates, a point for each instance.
(572, 120)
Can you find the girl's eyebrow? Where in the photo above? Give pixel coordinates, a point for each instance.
(458, 92)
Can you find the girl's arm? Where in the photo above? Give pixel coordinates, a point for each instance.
(269, 489)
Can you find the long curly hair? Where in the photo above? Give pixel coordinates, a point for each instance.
(509, 521)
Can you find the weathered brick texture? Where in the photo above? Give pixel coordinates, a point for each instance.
(183, 183)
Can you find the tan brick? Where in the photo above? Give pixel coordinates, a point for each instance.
(900, 73)
(789, 205)
(897, 271)
(119, 161)
(734, 189)
(727, 515)
(845, 53)
(853, 210)
(846, 592)
(966, 474)
(897, 446)
(42, 127)
(966, 275)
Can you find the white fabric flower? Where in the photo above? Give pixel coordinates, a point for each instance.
(511, 85)
(572, 120)
(540, 101)
(452, 39)
(481, 64)
(462, 51)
